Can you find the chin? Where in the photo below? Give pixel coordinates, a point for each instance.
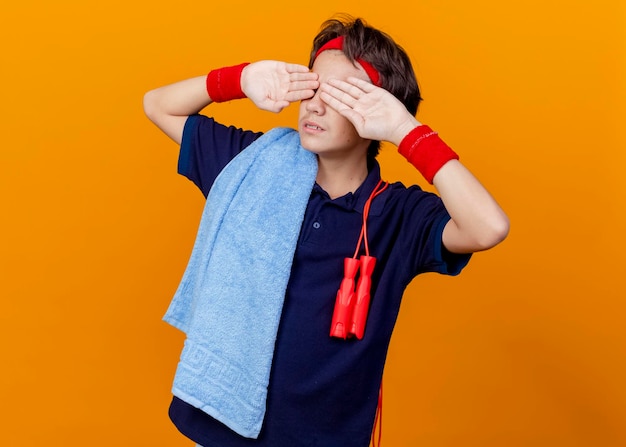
(311, 150)
(307, 143)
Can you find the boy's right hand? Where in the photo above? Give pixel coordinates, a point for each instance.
(273, 85)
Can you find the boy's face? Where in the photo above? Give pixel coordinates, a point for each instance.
(323, 130)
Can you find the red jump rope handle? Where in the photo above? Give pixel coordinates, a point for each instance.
(345, 299)
(362, 299)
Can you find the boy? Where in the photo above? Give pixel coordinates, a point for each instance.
(326, 363)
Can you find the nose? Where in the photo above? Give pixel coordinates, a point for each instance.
(315, 104)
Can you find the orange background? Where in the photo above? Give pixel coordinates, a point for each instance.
(526, 347)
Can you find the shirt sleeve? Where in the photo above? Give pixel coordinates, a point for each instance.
(424, 220)
(207, 147)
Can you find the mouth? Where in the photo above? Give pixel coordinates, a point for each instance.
(312, 126)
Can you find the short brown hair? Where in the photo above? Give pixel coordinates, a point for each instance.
(362, 41)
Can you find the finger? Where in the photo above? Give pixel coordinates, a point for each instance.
(274, 106)
(280, 105)
(303, 85)
(334, 102)
(299, 95)
(308, 76)
(348, 88)
(362, 84)
(353, 116)
(297, 68)
(339, 95)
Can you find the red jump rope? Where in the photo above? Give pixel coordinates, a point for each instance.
(352, 304)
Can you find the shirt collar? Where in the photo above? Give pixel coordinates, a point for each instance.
(356, 200)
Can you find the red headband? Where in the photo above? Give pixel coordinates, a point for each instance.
(337, 44)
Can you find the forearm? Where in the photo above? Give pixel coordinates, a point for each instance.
(271, 85)
(477, 221)
(168, 107)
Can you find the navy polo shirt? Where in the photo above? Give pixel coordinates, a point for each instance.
(324, 391)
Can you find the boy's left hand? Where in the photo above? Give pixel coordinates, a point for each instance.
(374, 112)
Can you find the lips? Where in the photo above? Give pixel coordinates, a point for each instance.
(311, 126)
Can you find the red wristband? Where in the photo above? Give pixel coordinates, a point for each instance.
(224, 84)
(423, 148)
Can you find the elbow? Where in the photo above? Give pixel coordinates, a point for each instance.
(501, 230)
(495, 232)
(150, 105)
(482, 235)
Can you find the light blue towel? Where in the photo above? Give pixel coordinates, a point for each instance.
(231, 295)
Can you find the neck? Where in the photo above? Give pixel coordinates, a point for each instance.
(338, 178)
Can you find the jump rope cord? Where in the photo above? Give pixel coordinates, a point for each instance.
(366, 210)
(378, 420)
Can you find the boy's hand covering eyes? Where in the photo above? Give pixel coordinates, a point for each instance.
(374, 112)
(273, 85)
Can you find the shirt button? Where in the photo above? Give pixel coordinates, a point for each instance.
(316, 225)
